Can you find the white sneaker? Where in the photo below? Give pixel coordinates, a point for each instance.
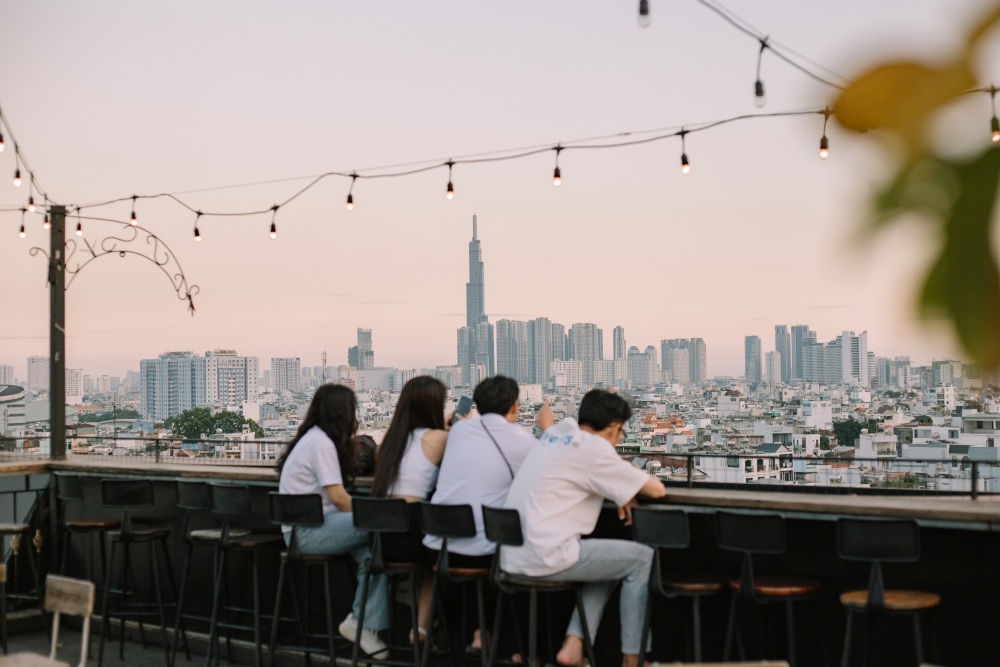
(370, 641)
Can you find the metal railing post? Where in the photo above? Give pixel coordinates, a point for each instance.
(975, 480)
(690, 471)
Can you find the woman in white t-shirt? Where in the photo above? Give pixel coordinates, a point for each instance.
(320, 459)
(406, 466)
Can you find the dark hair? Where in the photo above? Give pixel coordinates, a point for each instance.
(364, 455)
(421, 405)
(495, 395)
(600, 409)
(334, 409)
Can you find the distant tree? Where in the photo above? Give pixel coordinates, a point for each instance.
(256, 428)
(849, 430)
(228, 422)
(7, 444)
(123, 414)
(824, 442)
(894, 394)
(192, 423)
(925, 419)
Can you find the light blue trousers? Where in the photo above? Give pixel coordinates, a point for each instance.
(338, 535)
(603, 563)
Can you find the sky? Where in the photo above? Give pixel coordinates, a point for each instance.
(109, 99)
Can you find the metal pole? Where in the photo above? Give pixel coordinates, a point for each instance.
(975, 480)
(57, 334)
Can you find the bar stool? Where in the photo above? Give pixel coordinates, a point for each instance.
(752, 534)
(877, 542)
(377, 516)
(669, 529)
(230, 501)
(503, 527)
(454, 521)
(128, 494)
(194, 498)
(69, 489)
(298, 510)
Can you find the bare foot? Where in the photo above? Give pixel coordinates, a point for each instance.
(571, 653)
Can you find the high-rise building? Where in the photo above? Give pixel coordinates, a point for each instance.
(475, 349)
(12, 402)
(752, 359)
(514, 354)
(559, 343)
(772, 368)
(540, 332)
(801, 336)
(38, 373)
(362, 356)
(585, 346)
(171, 384)
(695, 358)
(619, 350)
(783, 345)
(286, 374)
(698, 361)
(6, 374)
(844, 360)
(74, 385)
(230, 379)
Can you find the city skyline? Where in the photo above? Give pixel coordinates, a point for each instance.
(625, 240)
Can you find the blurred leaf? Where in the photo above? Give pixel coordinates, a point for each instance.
(901, 97)
(964, 281)
(928, 187)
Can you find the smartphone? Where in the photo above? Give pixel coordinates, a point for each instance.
(464, 405)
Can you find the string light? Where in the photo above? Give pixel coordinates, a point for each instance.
(197, 233)
(824, 143)
(758, 86)
(79, 225)
(21, 233)
(644, 18)
(1, 142)
(31, 190)
(17, 178)
(46, 225)
(450, 193)
(31, 204)
(685, 164)
(274, 227)
(350, 192)
(133, 221)
(994, 122)
(557, 175)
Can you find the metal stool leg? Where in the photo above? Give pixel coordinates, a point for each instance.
(179, 621)
(696, 623)
(105, 620)
(159, 602)
(845, 659)
(273, 643)
(917, 641)
(213, 626)
(355, 651)
(328, 601)
(730, 628)
(789, 616)
(532, 627)
(256, 609)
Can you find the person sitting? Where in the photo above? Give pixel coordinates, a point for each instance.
(406, 466)
(320, 459)
(558, 492)
(479, 464)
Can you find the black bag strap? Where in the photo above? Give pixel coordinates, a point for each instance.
(497, 445)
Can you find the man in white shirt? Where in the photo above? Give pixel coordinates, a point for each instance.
(558, 492)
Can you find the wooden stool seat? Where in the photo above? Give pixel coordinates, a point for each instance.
(254, 541)
(140, 535)
(691, 584)
(215, 534)
(780, 587)
(85, 525)
(315, 558)
(895, 600)
(404, 567)
(531, 582)
(467, 572)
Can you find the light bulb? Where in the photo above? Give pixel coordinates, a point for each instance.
(824, 147)
(1, 142)
(21, 234)
(685, 165)
(350, 202)
(451, 191)
(556, 178)
(758, 93)
(197, 235)
(17, 178)
(274, 231)
(644, 18)
(133, 221)
(31, 204)
(46, 224)
(995, 127)
(79, 229)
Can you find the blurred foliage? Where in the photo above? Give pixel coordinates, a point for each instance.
(902, 100)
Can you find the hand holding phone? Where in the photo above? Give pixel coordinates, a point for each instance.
(464, 405)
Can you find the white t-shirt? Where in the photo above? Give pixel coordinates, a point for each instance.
(559, 492)
(474, 473)
(312, 465)
(416, 475)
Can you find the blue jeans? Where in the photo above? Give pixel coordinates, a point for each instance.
(603, 563)
(338, 535)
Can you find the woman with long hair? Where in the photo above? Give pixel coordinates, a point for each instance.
(406, 467)
(320, 459)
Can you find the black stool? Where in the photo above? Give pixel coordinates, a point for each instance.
(882, 541)
(752, 534)
(295, 511)
(230, 501)
(455, 521)
(195, 498)
(69, 489)
(669, 529)
(378, 516)
(130, 494)
(503, 527)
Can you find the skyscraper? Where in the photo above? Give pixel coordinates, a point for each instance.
(475, 351)
(362, 356)
(620, 350)
(230, 379)
(801, 336)
(38, 373)
(783, 346)
(585, 346)
(540, 332)
(286, 374)
(514, 354)
(686, 359)
(171, 384)
(751, 350)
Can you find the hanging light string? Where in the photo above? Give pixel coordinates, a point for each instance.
(7, 135)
